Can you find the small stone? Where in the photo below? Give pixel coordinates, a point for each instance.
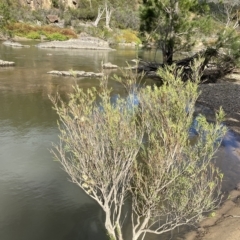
(75, 73)
(6, 63)
(238, 187)
(109, 66)
(201, 231)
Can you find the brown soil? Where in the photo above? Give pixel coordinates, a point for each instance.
(225, 225)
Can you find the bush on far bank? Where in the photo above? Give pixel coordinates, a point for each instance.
(35, 32)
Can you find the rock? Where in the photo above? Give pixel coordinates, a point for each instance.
(14, 44)
(6, 63)
(132, 44)
(201, 231)
(238, 187)
(75, 73)
(80, 43)
(83, 35)
(52, 18)
(109, 66)
(237, 201)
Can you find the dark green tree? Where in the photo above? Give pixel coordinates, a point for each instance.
(5, 18)
(173, 23)
(226, 14)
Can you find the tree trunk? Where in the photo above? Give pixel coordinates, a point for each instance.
(109, 10)
(167, 53)
(90, 4)
(100, 13)
(167, 57)
(109, 226)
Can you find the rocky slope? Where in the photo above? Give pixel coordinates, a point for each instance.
(46, 4)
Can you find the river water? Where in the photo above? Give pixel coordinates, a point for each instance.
(37, 201)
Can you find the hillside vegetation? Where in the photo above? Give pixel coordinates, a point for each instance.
(97, 18)
(171, 26)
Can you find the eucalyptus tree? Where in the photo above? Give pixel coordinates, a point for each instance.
(173, 24)
(5, 18)
(110, 10)
(227, 19)
(226, 12)
(135, 158)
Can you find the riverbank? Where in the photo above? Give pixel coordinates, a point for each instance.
(224, 225)
(225, 93)
(225, 222)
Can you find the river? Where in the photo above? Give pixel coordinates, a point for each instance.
(37, 200)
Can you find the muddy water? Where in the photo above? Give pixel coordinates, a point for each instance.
(36, 199)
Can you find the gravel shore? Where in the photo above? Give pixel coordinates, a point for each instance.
(225, 93)
(225, 225)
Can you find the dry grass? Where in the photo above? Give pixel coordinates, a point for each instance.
(23, 30)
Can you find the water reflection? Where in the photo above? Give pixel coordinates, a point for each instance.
(36, 200)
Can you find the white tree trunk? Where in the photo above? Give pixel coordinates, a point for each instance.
(99, 16)
(109, 10)
(108, 225)
(90, 4)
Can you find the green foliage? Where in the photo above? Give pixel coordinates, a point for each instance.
(67, 19)
(125, 14)
(118, 149)
(56, 36)
(170, 156)
(34, 32)
(126, 36)
(93, 31)
(171, 24)
(33, 35)
(82, 13)
(114, 37)
(5, 13)
(5, 19)
(39, 15)
(229, 40)
(225, 35)
(55, 3)
(126, 18)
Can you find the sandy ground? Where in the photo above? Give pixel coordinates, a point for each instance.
(225, 225)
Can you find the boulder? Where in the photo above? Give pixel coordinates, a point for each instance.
(75, 73)
(109, 66)
(238, 187)
(52, 18)
(14, 44)
(6, 63)
(80, 43)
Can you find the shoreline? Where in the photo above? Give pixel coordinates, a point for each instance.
(225, 224)
(226, 93)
